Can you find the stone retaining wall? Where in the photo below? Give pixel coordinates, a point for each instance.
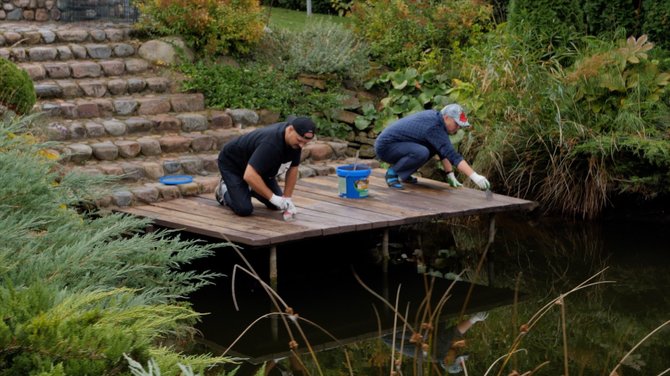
(67, 10)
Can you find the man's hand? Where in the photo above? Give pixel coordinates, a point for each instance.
(280, 202)
(479, 316)
(451, 179)
(291, 207)
(481, 181)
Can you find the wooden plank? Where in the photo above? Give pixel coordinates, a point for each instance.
(323, 212)
(316, 214)
(340, 208)
(167, 218)
(462, 201)
(262, 222)
(375, 203)
(272, 219)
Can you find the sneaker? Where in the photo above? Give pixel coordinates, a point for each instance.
(392, 179)
(220, 192)
(411, 180)
(457, 366)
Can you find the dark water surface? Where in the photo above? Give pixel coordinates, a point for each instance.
(539, 259)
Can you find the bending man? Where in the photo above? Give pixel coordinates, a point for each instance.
(249, 164)
(410, 142)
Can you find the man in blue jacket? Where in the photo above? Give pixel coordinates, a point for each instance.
(408, 143)
(249, 164)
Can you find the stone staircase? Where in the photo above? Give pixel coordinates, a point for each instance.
(115, 113)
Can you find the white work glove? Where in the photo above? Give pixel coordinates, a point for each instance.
(479, 316)
(291, 207)
(280, 202)
(451, 179)
(481, 181)
(290, 212)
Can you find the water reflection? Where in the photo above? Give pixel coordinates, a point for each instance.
(542, 260)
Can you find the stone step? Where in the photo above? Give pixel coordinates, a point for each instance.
(97, 128)
(102, 87)
(86, 108)
(71, 51)
(36, 33)
(140, 180)
(77, 69)
(134, 148)
(150, 169)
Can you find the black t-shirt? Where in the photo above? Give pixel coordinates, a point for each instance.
(264, 149)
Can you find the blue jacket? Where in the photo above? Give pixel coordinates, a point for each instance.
(426, 128)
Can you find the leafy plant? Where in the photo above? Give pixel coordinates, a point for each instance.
(215, 27)
(255, 87)
(408, 91)
(401, 31)
(342, 7)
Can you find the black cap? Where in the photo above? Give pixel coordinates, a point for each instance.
(304, 126)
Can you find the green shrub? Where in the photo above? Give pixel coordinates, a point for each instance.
(255, 87)
(16, 88)
(656, 21)
(212, 26)
(408, 91)
(77, 292)
(552, 23)
(401, 31)
(605, 16)
(320, 48)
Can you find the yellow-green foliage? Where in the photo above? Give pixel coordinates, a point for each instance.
(213, 26)
(401, 31)
(16, 88)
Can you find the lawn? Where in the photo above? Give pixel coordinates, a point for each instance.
(296, 20)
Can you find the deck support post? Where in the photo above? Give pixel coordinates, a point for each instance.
(488, 251)
(385, 264)
(385, 251)
(273, 267)
(274, 321)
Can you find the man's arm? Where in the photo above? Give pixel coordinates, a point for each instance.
(481, 181)
(291, 178)
(256, 182)
(465, 168)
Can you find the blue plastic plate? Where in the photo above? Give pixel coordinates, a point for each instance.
(175, 179)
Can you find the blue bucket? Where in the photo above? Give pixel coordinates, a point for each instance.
(353, 180)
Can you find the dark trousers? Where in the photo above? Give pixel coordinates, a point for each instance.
(239, 194)
(404, 157)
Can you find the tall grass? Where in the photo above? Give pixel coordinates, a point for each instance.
(552, 331)
(573, 130)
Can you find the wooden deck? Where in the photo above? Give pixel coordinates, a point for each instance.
(322, 212)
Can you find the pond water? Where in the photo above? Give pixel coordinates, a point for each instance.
(339, 284)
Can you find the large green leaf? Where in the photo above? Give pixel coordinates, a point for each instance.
(361, 123)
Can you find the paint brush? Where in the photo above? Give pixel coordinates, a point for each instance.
(489, 195)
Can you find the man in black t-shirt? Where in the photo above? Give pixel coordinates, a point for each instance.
(249, 164)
